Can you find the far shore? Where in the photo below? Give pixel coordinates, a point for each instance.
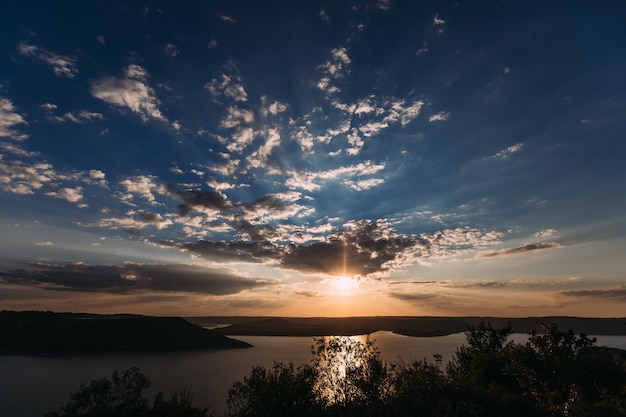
(408, 326)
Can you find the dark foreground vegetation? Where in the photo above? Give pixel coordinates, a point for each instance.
(554, 374)
(36, 332)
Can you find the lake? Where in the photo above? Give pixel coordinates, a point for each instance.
(31, 386)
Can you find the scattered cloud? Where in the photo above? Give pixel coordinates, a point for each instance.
(130, 91)
(142, 185)
(383, 4)
(504, 154)
(227, 19)
(19, 178)
(228, 86)
(9, 117)
(171, 50)
(438, 21)
(439, 117)
(62, 65)
(519, 250)
(72, 195)
(546, 233)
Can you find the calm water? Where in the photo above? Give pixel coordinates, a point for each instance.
(31, 386)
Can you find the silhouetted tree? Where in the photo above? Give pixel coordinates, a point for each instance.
(122, 396)
(281, 390)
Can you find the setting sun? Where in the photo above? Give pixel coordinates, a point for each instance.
(344, 285)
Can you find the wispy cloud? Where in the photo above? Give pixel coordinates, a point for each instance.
(504, 154)
(439, 117)
(227, 19)
(130, 91)
(519, 249)
(62, 65)
(616, 293)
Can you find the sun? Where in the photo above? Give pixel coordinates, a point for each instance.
(344, 285)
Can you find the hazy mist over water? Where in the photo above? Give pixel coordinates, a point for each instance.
(207, 374)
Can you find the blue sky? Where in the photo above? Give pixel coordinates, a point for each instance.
(324, 158)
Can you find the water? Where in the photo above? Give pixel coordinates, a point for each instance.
(31, 386)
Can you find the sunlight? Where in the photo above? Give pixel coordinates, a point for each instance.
(344, 285)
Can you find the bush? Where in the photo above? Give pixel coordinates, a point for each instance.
(122, 396)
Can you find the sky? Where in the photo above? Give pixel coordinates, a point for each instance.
(318, 158)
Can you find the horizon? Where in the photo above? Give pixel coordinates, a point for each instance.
(330, 159)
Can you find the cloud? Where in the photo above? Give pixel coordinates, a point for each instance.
(136, 221)
(228, 86)
(334, 68)
(241, 139)
(9, 118)
(18, 178)
(72, 195)
(132, 278)
(209, 202)
(438, 117)
(62, 65)
(337, 65)
(237, 251)
(261, 157)
(383, 4)
(617, 293)
(227, 19)
(80, 117)
(412, 296)
(546, 233)
(172, 50)
(504, 154)
(309, 181)
(363, 185)
(142, 185)
(362, 248)
(236, 117)
(44, 243)
(130, 91)
(438, 21)
(519, 250)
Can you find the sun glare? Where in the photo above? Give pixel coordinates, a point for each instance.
(344, 285)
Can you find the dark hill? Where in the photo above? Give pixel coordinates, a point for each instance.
(409, 326)
(24, 333)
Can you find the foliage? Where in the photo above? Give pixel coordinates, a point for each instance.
(122, 396)
(554, 374)
(278, 391)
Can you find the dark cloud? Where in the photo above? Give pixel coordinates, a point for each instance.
(257, 233)
(146, 217)
(618, 292)
(520, 249)
(193, 199)
(364, 249)
(131, 278)
(251, 251)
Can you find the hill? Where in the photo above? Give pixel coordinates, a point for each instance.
(25, 333)
(409, 326)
